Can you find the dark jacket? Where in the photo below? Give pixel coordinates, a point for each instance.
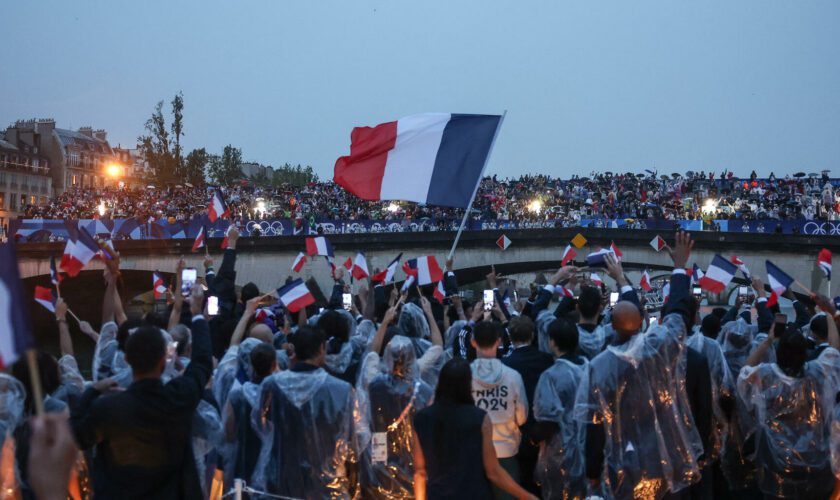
(142, 435)
(530, 362)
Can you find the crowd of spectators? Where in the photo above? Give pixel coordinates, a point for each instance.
(532, 198)
(406, 394)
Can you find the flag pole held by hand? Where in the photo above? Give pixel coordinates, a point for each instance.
(35, 381)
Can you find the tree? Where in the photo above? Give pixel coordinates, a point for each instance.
(177, 130)
(195, 165)
(227, 168)
(161, 147)
(295, 176)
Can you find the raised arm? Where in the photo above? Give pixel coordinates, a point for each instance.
(376, 344)
(64, 340)
(827, 306)
(437, 339)
(239, 331)
(616, 272)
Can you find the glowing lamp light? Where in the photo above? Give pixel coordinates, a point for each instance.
(113, 170)
(709, 207)
(260, 207)
(535, 206)
(393, 207)
(101, 208)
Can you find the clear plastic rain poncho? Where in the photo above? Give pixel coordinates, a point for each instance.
(12, 399)
(413, 324)
(241, 450)
(104, 352)
(590, 344)
(388, 401)
(72, 382)
(736, 339)
(452, 332)
(544, 319)
(793, 416)
(366, 331)
(636, 390)
(234, 368)
(206, 438)
(561, 469)
(305, 421)
(722, 386)
(835, 442)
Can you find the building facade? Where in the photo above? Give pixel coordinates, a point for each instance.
(24, 173)
(135, 171)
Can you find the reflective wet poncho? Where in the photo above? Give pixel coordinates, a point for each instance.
(242, 443)
(104, 352)
(737, 339)
(722, 386)
(305, 421)
(560, 470)
(206, 439)
(637, 391)
(544, 319)
(388, 401)
(590, 344)
(793, 418)
(12, 399)
(234, 368)
(72, 383)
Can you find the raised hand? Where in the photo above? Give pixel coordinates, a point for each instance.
(60, 309)
(196, 299)
(562, 274)
(758, 286)
(681, 249)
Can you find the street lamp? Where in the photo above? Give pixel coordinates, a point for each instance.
(113, 170)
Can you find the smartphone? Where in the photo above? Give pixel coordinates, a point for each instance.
(742, 290)
(698, 291)
(653, 321)
(613, 298)
(489, 300)
(347, 300)
(188, 277)
(212, 305)
(172, 349)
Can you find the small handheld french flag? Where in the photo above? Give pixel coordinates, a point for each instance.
(295, 296)
(55, 277)
(644, 283)
(718, 275)
(300, 260)
(439, 293)
(386, 276)
(596, 280)
(425, 269)
(360, 268)
(696, 274)
(824, 262)
(779, 280)
(199, 239)
(569, 254)
(743, 267)
(319, 246)
(218, 209)
(616, 250)
(45, 297)
(158, 287)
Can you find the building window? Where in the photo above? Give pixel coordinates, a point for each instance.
(33, 200)
(12, 202)
(75, 180)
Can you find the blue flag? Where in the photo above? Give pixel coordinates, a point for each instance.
(15, 329)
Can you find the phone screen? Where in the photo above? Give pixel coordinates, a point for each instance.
(188, 277)
(347, 301)
(742, 290)
(212, 305)
(613, 298)
(489, 300)
(698, 290)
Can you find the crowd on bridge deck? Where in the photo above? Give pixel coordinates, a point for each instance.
(418, 393)
(689, 196)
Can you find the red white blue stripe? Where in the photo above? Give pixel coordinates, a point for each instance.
(300, 260)
(386, 276)
(431, 158)
(425, 269)
(218, 209)
(360, 268)
(824, 262)
(80, 249)
(45, 297)
(718, 275)
(158, 287)
(598, 259)
(15, 329)
(295, 296)
(569, 254)
(319, 246)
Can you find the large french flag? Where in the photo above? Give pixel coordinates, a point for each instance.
(386, 276)
(431, 158)
(295, 296)
(718, 275)
(15, 329)
(218, 209)
(425, 269)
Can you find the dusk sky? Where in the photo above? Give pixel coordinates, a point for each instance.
(588, 85)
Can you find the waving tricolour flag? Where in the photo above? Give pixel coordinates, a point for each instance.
(425, 269)
(348, 264)
(644, 283)
(386, 276)
(80, 249)
(569, 254)
(778, 280)
(45, 297)
(158, 287)
(718, 275)
(440, 293)
(696, 274)
(319, 246)
(295, 296)
(596, 280)
(824, 262)
(743, 267)
(15, 329)
(200, 239)
(300, 260)
(218, 209)
(432, 158)
(360, 268)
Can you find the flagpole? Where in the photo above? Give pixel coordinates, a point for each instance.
(35, 382)
(472, 199)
